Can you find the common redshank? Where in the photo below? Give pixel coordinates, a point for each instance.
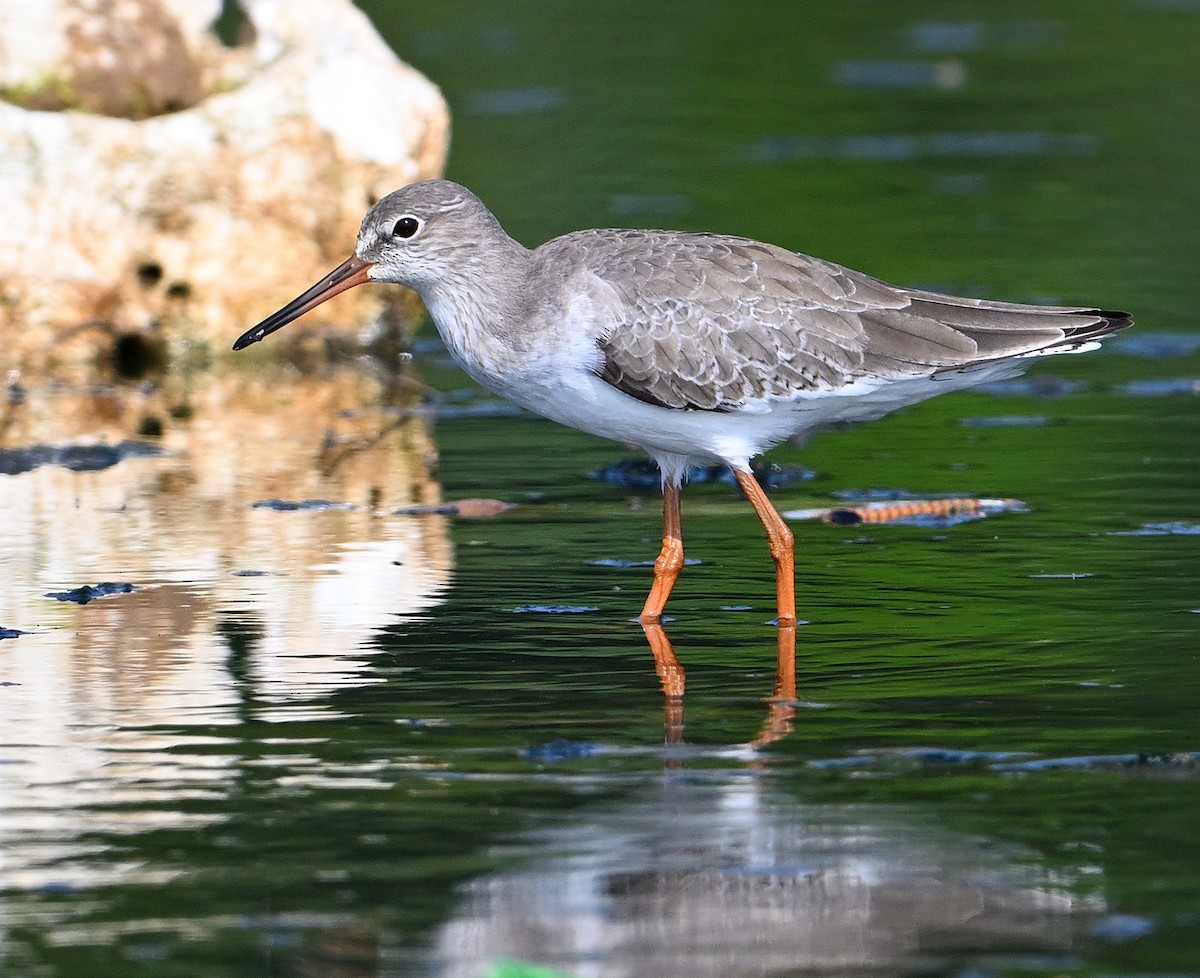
(698, 348)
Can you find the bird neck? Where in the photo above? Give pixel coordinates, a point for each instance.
(478, 310)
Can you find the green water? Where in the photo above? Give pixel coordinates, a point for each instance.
(990, 769)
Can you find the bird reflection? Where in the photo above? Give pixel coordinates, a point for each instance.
(728, 876)
(781, 705)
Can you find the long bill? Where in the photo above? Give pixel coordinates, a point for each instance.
(353, 271)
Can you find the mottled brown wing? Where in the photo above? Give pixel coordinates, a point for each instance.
(717, 323)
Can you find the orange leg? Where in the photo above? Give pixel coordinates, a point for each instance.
(779, 542)
(670, 560)
(785, 665)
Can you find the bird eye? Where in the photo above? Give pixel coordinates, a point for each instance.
(406, 227)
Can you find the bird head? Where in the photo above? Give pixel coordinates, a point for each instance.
(418, 236)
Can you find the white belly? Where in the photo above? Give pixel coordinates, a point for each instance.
(586, 402)
(558, 380)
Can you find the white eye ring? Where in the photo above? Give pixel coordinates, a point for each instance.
(406, 227)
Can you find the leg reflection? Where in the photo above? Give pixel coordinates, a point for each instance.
(781, 708)
(670, 674)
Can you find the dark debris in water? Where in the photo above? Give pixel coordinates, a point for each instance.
(770, 475)
(631, 473)
(639, 473)
(1177, 762)
(920, 756)
(563, 749)
(76, 458)
(1181, 763)
(942, 755)
(553, 609)
(291, 505)
(89, 592)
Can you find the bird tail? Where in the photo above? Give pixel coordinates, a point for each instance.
(951, 333)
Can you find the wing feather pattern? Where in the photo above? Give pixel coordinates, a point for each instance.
(715, 323)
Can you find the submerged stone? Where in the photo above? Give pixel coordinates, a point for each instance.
(292, 505)
(553, 609)
(89, 592)
(77, 458)
(561, 750)
(642, 474)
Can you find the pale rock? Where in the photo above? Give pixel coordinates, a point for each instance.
(161, 185)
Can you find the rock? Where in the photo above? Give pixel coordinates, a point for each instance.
(162, 187)
(123, 58)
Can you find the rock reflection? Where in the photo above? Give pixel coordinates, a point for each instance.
(180, 526)
(729, 878)
(198, 640)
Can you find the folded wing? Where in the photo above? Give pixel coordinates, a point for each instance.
(713, 323)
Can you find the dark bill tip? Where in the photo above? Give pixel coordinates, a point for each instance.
(353, 271)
